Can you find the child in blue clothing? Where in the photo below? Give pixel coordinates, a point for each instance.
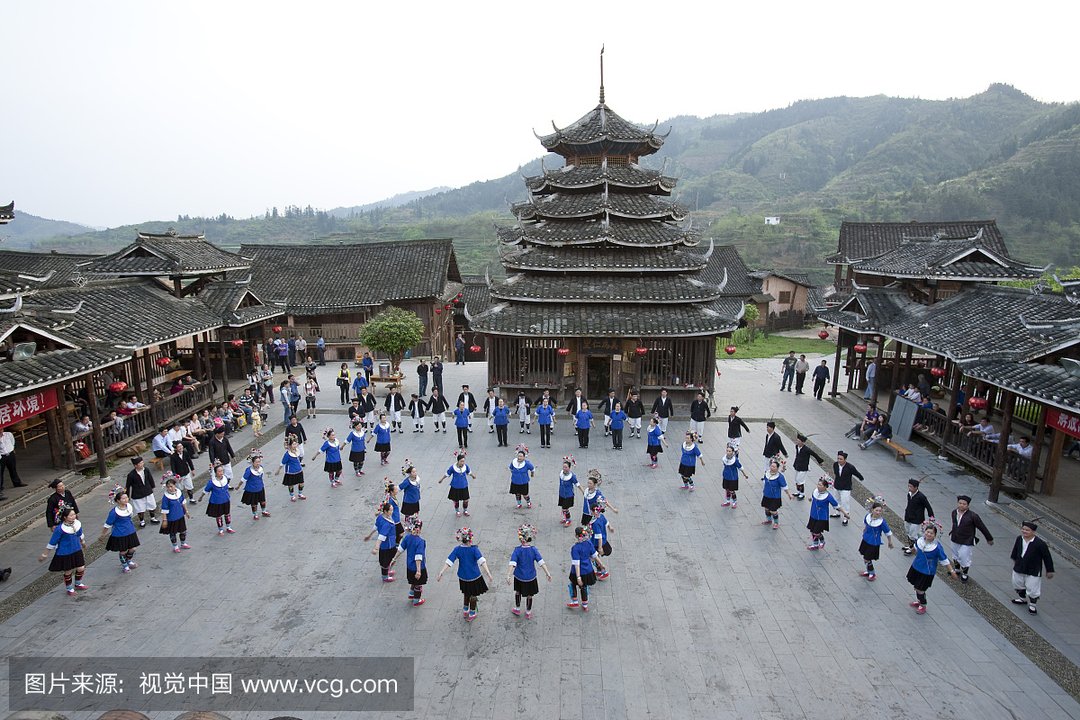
(730, 477)
(691, 453)
(545, 417)
(410, 489)
(357, 440)
(500, 416)
(583, 421)
(592, 493)
(771, 484)
(293, 466)
(395, 514)
(654, 440)
(928, 555)
(521, 472)
(121, 531)
(599, 527)
(471, 563)
(568, 482)
(386, 545)
(874, 526)
(818, 524)
(462, 418)
(382, 432)
(459, 474)
(68, 542)
(173, 514)
(219, 505)
(332, 447)
(254, 488)
(523, 563)
(617, 421)
(414, 548)
(582, 574)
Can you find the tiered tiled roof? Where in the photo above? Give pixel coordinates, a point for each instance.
(604, 259)
(593, 232)
(236, 304)
(724, 266)
(167, 255)
(610, 320)
(979, 322)
(599, 205)
(602, 132)
(7, 212)
(46, 368)
(1052, 384)
(315, 279)
(964, 259)
(475, 294)
(576, 177)
(42, 270)
(862, 240)
(545, 287)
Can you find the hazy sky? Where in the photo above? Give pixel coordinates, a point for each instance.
(120, 112)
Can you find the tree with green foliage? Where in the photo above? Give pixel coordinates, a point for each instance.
(392, 332)
(751, 315)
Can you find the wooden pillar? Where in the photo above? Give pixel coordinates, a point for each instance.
(149, 400)
(1036, 451)
(53, 422)
(224, 369)
(95, 420)
(1050, 475)
(136, 373)
(1009, 399)
(65, 425)
(196, 355)
(836, 360)
(957, 378)
(895, 376)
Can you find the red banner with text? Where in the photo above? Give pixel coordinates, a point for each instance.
(27, 406)
(1063, 422)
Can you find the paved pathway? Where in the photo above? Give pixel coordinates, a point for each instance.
(707, 614)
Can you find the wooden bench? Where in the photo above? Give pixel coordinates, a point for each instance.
(901, 451)
(29, 430)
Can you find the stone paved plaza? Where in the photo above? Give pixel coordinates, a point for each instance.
(707, 614)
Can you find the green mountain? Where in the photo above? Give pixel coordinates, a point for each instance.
(998, 154)
(31, 228)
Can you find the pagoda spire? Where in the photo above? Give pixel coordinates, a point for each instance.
(601, 74)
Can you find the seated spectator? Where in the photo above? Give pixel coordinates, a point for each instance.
(192, 431)
(985, 429)
(882, 431)
(206, 421)
(966, 423)
(863, 429)
(112, 426)
(161, 445)
(177, 387)
(1022, 447)
(81, 427)
(911, 393)
(130, 405)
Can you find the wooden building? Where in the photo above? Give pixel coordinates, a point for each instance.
(606, 283)
(786, 298)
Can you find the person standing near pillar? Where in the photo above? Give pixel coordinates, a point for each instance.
(774, 444)
(699, 413)
(436, 373)
(821, 378)
(965, 522)
(422, 376)
(871, 381)
(801, 368)
(663, 409)
(320, 349)
(915, 513)
(1030, 554)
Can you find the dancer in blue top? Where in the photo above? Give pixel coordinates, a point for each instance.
(591, 492)
(395, 510)
(583, 421)
(459, 474)
(410, 489)
(386, 545)
(600, 527)
(121, 531)
(68, 542)
(772, 482)
(688, 461)
(382, 438)
(294, 470)
(173, 514)
(818, 524)
(616, 423)
(500, 416)
(254, 488)
(523, 563)
(730, 477)
(219, 505)
(357, 446)
(582, 574)
(928, 555)
(461, 424)
(545, 417)
(874, 526)
(414, 548)
(568, 482)
(332, 447)
(521, 472)
(654, 441)
(471, 563)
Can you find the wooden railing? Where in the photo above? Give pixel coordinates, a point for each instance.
(974, 450)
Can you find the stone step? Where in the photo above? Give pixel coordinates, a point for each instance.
(21, 513)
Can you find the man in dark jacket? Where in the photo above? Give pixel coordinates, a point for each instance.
(699, 413)
(843, 475)
(663, 409)
(574, 406)
(436, 373)
(607, 405)
(915, 512)
(221, 449)
(140, 490)
(1030, 555)
(437, 406)
(635, 410)
(965, 522)
(821, 378)
(801, 463)
(774, 444)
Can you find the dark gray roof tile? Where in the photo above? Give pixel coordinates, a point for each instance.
(1051, 384)
(861, 240)
(605, 320)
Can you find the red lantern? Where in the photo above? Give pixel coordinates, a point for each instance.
(564, 351)
(118, 387)
(938, 372)
(448, 306)
(641, 350)
(163, 361)
(476, 348)
(860, 348)
(238, 343)
(823, 334)
(438, 311)
(730, 349)
(977, 403)
(459, 296)
(276, 329)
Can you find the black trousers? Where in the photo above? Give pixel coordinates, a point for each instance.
(545, 434)
(500, 434)
(463, 437)
(819, 388)
(7, 462)
(800, 378)
(344, 394)
(583, 437)
(616, 438)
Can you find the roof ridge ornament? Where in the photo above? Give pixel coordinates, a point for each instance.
(32, 278)
(712, 246)
(16, 308)
(601, 74)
